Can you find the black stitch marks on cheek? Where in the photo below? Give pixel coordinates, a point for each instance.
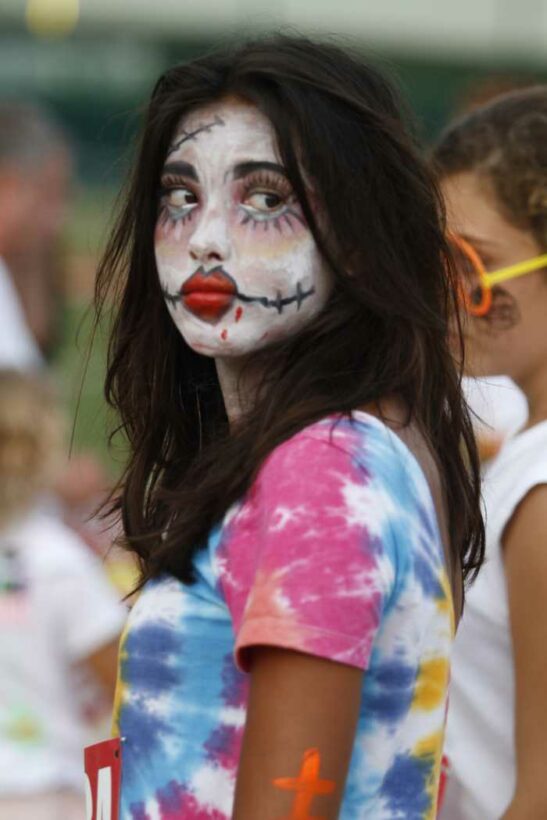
(276, 220)
(191, 135)
(504, 313)
(279, 302)
(171, 298)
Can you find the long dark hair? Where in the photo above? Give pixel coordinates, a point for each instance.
(382, 333)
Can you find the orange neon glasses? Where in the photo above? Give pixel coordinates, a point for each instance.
(477, 283)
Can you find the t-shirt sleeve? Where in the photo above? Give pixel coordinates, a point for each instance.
(310, 562)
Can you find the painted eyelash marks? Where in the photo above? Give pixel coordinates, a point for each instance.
(272, 186)
(175, 213)
(170, 216)
(277, 221)
(249, 216)
(167, 218)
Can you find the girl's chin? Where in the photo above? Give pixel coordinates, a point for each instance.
(222, 346)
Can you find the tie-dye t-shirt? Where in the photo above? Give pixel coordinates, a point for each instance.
(335, 552)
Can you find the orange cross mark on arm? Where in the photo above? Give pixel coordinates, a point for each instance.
(307, 786)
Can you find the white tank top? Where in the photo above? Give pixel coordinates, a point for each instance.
(481, 717)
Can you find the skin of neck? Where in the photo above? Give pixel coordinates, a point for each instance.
(238, 381)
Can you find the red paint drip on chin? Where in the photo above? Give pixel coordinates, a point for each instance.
(224, 335)
(239, 313)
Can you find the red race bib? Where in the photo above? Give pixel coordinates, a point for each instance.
(103, 769)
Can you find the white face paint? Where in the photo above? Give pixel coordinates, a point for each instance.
(237, 264)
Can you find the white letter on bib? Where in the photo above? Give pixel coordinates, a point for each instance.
(88, 800)
(104, 794)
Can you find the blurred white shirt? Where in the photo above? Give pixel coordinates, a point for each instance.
(498, 403)
(56, 609)
(480, 734)
(18, 348)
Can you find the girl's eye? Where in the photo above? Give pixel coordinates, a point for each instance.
(265, 201)
(180, 197)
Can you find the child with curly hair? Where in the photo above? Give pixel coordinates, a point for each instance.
(493, 168)
(57, 615)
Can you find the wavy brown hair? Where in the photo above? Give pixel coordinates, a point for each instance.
(505, 141)
(383, 332)
(31, 441)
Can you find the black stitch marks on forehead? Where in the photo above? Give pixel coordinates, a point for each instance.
(185, 136)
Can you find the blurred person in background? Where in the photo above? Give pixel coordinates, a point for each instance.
(499, 410)
(35, 177)
(499, 406)
(58, 615)
(493, 168)
(297, 431)
(35, 171)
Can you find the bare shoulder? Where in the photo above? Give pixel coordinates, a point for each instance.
(393, 414)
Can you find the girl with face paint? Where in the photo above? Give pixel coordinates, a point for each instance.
(302, 486)
(493, 166)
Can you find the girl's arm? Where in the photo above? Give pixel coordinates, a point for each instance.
(103, 664)
(525, 546)
(301, 722)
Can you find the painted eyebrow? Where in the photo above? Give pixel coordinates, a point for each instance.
(244, 168)
(181, 168)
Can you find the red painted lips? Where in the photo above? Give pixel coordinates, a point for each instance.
(209, 294)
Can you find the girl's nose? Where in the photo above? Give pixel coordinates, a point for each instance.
(210, 241)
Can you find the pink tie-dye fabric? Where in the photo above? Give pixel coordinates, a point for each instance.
(299, 570)
(334, 552)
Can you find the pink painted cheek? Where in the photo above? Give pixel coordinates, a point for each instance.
(169, 233)
(269, 243)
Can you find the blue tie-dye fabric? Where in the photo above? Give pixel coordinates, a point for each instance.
(342, 500)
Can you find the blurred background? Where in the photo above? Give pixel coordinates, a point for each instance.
(92, 63)
(87, 67)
